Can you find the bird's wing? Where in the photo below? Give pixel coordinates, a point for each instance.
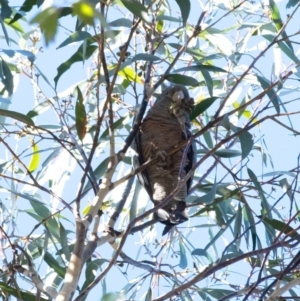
(138, 160)
(192, 159)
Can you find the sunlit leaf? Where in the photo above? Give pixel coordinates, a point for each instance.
(85, 11)
(35, 157)
(129, 74)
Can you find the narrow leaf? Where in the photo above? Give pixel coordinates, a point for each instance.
(183, 259)
(6, 77)
(185, 7)
(80, 116)
(246, 141)
(201, 68)
(145, 57)
(75, 37)
(202, 106)
(137, 9)
(182, 79)
(78, 56)
(17, 116)
(282, 227)
(35, 158)
(271, 92)
(149, 295)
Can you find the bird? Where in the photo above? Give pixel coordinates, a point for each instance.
(164, 127)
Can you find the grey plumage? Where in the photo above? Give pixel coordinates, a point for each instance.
(165, 126)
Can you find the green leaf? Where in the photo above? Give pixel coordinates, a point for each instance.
(17, 293)
(222, 153)
(183, 259)
(202, 106)
(28, 54)
(75, 37)
(80, 116)
(208, 81)
(64, 241)
(98, 172)
(246, 141)
(250, 224)
(276, 18)
(265, 205)
(201, 68)
(6, 77)
(149, 296)
(17, 116)
(182, 79)
(271, 92)
(91, 271)
(292, 3)
(287, 50)
(47, 19)
(26, 7)
(282, 227)
(78, 56)
(5, 9)
(53, 263)
(185, 7)
(137, 9)
(112, 297)
(120, 23)
(202, 252)
(116, 125)
(145, 57)
(209, 197)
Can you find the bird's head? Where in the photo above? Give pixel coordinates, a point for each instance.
(180, 100)
(180, 105)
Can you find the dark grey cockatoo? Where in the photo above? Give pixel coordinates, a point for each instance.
(165, 126)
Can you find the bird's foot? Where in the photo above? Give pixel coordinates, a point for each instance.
(162, 158)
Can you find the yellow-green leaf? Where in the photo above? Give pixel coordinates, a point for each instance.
(85, 11)
(35, 158)
(129, 74)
